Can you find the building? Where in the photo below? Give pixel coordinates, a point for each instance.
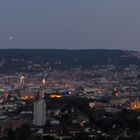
(40, 112)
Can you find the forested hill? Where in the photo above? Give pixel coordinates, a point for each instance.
(19, 58)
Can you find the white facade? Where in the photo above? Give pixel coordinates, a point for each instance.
(40, 113)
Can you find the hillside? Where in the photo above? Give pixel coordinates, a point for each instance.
(23, 59)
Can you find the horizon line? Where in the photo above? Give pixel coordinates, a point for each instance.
(68, 49)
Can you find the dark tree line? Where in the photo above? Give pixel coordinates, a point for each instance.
(68, 58)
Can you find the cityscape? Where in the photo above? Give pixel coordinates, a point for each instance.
(100, 102)
(70, 70)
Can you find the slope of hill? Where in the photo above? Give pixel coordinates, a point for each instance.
(20, 59)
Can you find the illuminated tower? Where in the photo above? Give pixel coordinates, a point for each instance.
(22, 81)
(42, 89)
(10, 40)
(43, 82)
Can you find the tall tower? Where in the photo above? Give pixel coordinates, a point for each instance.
(22, 81)
(40, 108)
(10, 40)
(42, 88)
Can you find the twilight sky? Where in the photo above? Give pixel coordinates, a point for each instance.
(71, 24)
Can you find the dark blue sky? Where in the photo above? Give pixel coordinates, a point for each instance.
(71, 24)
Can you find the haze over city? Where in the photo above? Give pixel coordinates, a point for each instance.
(74, 24)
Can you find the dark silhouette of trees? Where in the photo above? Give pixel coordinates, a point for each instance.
(16, 59)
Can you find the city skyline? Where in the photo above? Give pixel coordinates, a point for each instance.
(75, 24)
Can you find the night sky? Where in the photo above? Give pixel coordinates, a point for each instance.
(71, 24)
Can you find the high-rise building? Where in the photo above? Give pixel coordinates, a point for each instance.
(40, 112)
(40, 107)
